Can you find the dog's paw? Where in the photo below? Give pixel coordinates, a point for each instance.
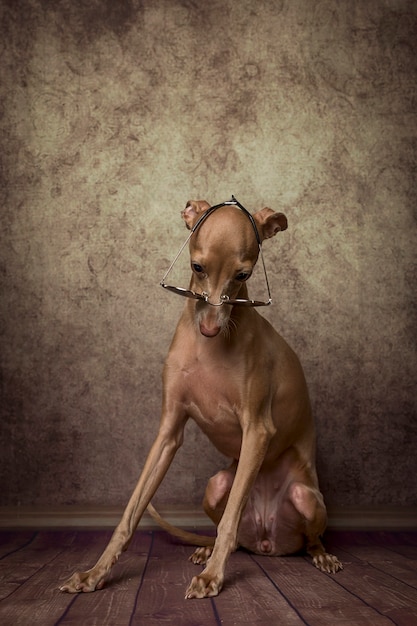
(204, 586)
(201, 556)
(327, 563)
(83, 582)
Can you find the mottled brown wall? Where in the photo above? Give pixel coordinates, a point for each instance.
(113, 114)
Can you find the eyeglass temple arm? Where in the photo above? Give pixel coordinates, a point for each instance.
(162, 282)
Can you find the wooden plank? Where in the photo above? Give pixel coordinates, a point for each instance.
(161, 598)
(37, 598)
(399, 541)
(319, 598)
(408, 537)
(20, 565)
(41, 568)
(384, 572)
(28, 582)
(249, 597)
(376, 588)
(115, 603)
(393, 540)
(382, 591)
(11, 541)
(402, 543)
(386, 560)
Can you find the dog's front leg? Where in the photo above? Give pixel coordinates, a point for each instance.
(156, 466)
(254, 446)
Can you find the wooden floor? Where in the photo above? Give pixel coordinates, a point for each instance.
(377, 587)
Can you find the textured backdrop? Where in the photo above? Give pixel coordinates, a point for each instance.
(113, 115)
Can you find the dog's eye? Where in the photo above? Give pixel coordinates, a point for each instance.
(242, 276)
(197, 268)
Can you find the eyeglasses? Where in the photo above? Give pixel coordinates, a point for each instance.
(224, 299)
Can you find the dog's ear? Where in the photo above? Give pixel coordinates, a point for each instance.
(270, 223)
(193, 210)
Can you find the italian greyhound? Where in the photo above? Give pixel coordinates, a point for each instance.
(230, 371)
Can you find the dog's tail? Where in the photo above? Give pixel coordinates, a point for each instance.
(192, 538)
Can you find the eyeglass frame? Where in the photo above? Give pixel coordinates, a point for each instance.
(224, 299)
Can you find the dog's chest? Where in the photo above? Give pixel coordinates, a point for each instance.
(213, 399)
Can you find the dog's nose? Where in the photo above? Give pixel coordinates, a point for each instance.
(209, 332)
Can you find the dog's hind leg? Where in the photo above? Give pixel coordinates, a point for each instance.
(308, 501)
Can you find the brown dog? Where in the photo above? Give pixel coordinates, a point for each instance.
(231, 372)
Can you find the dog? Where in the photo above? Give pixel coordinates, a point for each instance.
(230, 371)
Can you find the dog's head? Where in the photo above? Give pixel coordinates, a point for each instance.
(268, 222)
(223, 252)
